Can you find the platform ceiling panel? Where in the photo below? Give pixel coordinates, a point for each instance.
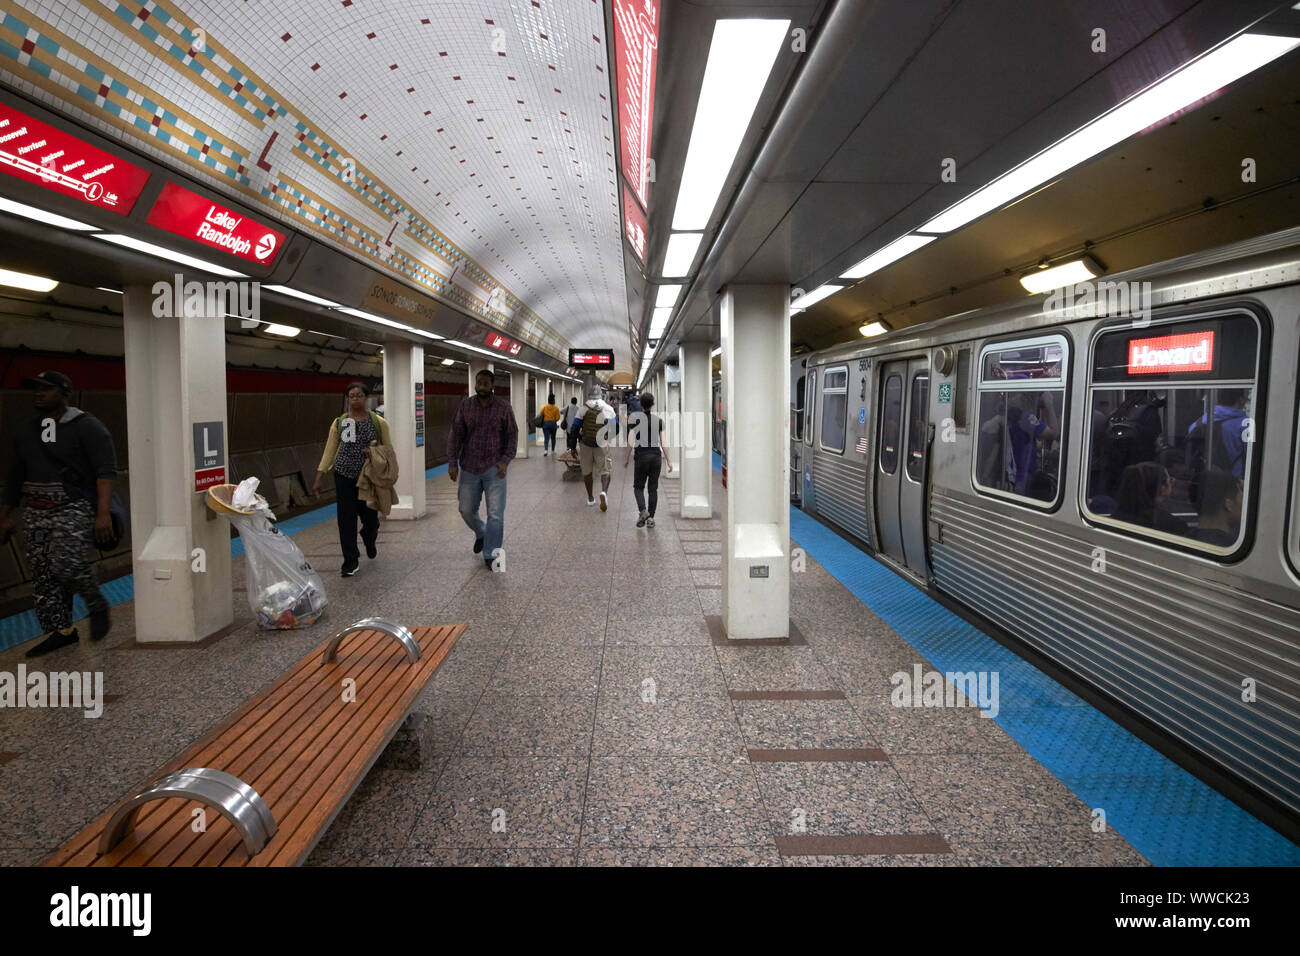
(465, 147)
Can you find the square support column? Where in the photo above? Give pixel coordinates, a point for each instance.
(695, 457)
(519, 405)
(756, 385)
(403, 370)
(180, 551)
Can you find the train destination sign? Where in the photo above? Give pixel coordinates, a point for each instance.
(1186, 352)
(190, 215)
(495, 340)
(591, 358)
(38, 153)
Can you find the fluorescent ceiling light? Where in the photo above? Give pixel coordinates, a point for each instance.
(716, 352)
(905, 245)
(306, 297)
(874, 328)
(104, 288)
(40, 215)
(815, 296)
(286, 330)
(680, 254)
(740, 59)
(448, 361)
(1178, 90)
(1068, 273)
(22, 280)
(180, 258)
(667, 296)
(473, 348)
(659, 322)
(371, 317)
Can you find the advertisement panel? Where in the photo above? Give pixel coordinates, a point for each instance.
(636, 39)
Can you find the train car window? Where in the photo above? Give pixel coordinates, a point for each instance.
(918, 417)
(810, 403)
(835, 405)
(1172, 441)
(1021, 419)
(797, 422)
(891, 421)
(961, 401)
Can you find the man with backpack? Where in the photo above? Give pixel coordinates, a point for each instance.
(61, 466)
(593, 447)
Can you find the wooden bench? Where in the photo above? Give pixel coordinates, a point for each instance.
(298, 751)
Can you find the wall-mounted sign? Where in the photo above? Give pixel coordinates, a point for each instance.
(634, 224)
(495, 340)
(591, 358)
(419, 414)
(190, 215)
(399, 302)
(38, 153)
(1187, 352)
(209, 455)
(636, 37)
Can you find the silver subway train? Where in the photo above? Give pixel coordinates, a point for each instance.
(1109, 475)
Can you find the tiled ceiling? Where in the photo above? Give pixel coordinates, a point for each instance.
(465, 146)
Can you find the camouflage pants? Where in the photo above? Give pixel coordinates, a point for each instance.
(58, 548)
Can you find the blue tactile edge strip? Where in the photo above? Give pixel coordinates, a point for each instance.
(22, 627)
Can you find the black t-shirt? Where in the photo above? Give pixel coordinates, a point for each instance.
(640, 431)
(81, 451)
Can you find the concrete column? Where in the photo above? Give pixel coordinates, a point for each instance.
(695, 460)
(519, 405)
(175, 377)
(756, 381)
(403, 369)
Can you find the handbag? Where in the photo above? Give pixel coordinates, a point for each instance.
(538, 420)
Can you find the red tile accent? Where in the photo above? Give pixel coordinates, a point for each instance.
(28, 46)
(364, 115)
(157, 120)
(393, 66)
(342, 96)
(103, 90)
(442, 54)
(287, 37)
(543, 36)
(370, 36)
(143, 14)
(315, 66)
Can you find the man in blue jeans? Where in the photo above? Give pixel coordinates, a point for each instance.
(481, 443)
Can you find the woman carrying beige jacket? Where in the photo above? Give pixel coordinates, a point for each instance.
(346, 450)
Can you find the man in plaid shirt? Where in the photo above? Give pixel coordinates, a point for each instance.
(481, 444)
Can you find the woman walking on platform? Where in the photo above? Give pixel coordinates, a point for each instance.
(345, 452)
(550, 422)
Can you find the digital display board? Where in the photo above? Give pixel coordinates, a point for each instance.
(591, 358)
(496, 340)
(187, 214)
(1186, 352)
(38, 153)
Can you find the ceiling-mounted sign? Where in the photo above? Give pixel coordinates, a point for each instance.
(185, 213)
(636, 37)
(591, 358)
(634, 224)
(495, 340)
(38, 153)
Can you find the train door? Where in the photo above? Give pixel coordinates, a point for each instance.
(798, 383)
(806, 457)
(900, 462)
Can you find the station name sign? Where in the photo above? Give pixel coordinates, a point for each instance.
(591, 358)
(187, 214)
(38, 153)
(1186, 352)
(496, 340)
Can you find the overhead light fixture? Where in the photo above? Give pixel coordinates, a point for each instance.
(371, 317)
(659, 322)
(305, 296)
(815, 296)
(904, 245)
(1192, 81)
(680, 254)
(286, 330)
(104, 288)
(22, 280)
(667, 296)
(473, 348)
(40, 215)
(740, 59)
(180, 258)
(448, 361)
(874, 328)
(1068, 273)
(716, 352)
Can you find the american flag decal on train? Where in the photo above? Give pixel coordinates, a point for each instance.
(862, 445)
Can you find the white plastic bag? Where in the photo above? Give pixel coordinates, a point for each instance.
(284, 591)
(245, 495)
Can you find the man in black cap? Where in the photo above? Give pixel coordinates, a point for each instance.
(61, 466)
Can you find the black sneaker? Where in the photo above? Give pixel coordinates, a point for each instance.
(487, 563)
(478, 548)
(99, 625)
(371, 551)
(53, 642)
(640, 522)
(349, 569)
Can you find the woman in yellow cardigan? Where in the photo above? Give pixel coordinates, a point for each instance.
(345, 452)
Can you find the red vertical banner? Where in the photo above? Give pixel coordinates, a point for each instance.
(634, 224)
(636, 39)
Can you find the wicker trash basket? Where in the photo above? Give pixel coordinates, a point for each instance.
(219, 500)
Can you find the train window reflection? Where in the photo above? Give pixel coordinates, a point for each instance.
(891, 421)
(1021, 416)
(796, 425)
(835, 403)
(917, 419)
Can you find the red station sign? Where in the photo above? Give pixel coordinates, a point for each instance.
(497, 341)
(1187, 352)
(38, 153)
(636, 38)
(591, 358)
(190, 215)
(634, 224)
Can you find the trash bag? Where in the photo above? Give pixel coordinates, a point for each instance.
(284, 591)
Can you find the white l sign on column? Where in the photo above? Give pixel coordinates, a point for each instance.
(209, 455)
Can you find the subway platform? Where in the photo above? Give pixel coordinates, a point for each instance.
(593, 715)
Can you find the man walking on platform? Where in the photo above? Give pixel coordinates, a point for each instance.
(481, 443)
(62, 467)
(593, 452)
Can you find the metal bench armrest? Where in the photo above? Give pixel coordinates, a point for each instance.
(395, 631)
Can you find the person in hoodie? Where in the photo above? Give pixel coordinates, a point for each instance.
(61, 467)
(1230, 420)
(593, 446)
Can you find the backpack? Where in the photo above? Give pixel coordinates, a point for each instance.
(591, 426)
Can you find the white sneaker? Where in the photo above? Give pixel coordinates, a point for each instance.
(591, 501)
(604, 505)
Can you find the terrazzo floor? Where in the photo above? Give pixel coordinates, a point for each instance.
(585, 718)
